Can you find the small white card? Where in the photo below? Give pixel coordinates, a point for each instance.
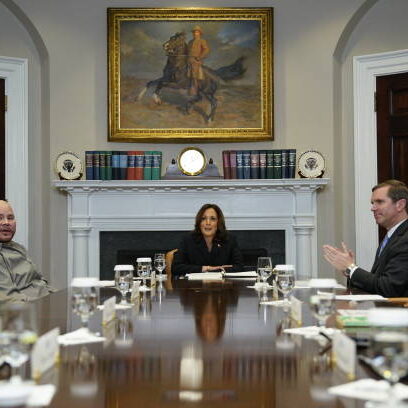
(345, 354)
(296, 310)
(45, 353)
(109, 312)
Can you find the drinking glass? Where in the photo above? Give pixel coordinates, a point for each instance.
(159, 265)
(124, 279)
(264, 269)
(18, 335)
(85, 296)
(144, 270)
(322, 299)
(285, 279)
(389, 350)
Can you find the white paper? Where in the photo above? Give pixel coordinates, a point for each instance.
(304, 284)
(353, 312)
(109, 313)
(41, 395)
(278, 303)
(345, 353)
(118, 306)
(204, 276)
(45, 352)
(247, 274)
(312, 331)
(369, 389)
(80, 336)
(296, 310)
(107, 283)
(360, 298)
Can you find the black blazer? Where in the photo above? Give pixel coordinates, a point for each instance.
(193, 254)
(389, 274)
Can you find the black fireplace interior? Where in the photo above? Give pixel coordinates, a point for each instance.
(124, 247)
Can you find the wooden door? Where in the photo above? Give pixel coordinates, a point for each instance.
(392, 127)
(2, 139)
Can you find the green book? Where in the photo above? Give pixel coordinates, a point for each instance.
(102, 165)
(147, 168)
(269, 164)
(277, 164)
(156, 165)
(108, 165)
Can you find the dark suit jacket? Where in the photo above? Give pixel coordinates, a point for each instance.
(389, 274)
(193, 254)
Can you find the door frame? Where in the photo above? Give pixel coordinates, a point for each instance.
(365, 70)
(15, 72)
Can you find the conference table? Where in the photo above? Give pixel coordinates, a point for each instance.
(193, 343)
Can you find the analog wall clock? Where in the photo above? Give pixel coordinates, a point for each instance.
(191, 161)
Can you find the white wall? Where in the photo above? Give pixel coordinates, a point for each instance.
(306, 35)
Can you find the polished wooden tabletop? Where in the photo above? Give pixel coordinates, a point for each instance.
(194, 344)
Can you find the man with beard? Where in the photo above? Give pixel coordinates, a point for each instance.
(19, 279)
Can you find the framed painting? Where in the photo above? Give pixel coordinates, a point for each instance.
(190, 74)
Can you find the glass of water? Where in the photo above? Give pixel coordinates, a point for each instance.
(388, 350)
(322, 299)
(124, 279)
(159, 265)
(85, 298)
(285, 280)
(264, 269)
(144, 270)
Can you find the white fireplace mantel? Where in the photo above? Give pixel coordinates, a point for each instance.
(170, 205)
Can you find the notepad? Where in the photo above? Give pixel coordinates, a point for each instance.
(205, 276)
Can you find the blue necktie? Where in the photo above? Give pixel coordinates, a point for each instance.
(383, 244)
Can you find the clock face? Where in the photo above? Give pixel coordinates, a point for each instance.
(191, 161)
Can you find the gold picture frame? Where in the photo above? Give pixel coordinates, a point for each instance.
(163, 87)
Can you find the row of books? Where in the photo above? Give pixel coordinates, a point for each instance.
(259, 164)
(123, 165)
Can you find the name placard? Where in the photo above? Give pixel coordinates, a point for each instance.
(345, 354)
(45, 353)
(109, 312)
(296, 310)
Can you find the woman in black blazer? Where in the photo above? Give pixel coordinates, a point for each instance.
(209, 247)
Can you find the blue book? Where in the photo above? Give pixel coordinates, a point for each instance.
(89, 164)
(123, 163)
(115, 165)
(292, 163)
(240, 165)
(255, 164)
(96, 166)
(285, 163)
(246, 164)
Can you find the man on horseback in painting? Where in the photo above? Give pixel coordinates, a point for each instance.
(197, 50)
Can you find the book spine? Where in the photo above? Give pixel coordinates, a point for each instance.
(246, 164)
(292, 163)
(130, 175)
(240, 165)
(285, 163)
(254, 164)
(108, 165)
(102, 165)
(139, 164)
(123, 159)
(96, 165)
(115, 165)
(147, 169)
(269, 164)
(89, 164)
(226, 164)
(277, 164)
(156, 165)
(262, 164)
(233, 163)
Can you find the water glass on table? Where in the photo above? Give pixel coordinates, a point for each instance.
(144, 270)
(264, 270)
(285, 280)
(322, 299)
(124, 280)
(159, 265)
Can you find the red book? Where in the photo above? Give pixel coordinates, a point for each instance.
(139, 164)
(233, 163)
(226, 164)
(131, 174)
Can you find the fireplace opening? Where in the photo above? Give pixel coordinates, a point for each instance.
(124, 247)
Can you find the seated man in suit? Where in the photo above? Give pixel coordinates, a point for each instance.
(389, 274)
(19, 279)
